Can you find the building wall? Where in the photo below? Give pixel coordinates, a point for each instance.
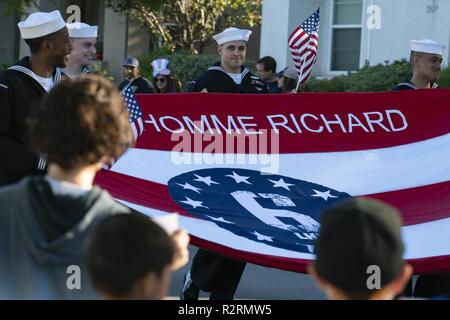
(114, 43)
(8, 39)
(401, 21)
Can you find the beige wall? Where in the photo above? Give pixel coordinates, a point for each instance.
(114, 43)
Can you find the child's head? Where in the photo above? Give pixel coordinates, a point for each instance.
(129, 256)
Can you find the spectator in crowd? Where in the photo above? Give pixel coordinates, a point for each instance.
(80, 125)
(83, 39)
(426, 59)
(287, 81)
(162, 78)
(210, 271)
(21, 88)
(359, 252)
(265, 69)
(133, 78)
(131, 257)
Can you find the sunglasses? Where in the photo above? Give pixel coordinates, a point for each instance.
(160, 79)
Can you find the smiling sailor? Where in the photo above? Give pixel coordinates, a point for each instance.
(83, 38)
(23, 85)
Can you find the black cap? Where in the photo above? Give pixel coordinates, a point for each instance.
(355, 234)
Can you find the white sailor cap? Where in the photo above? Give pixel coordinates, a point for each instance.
(427, 46)
(82, 30)
(232, 34)
(39, 24)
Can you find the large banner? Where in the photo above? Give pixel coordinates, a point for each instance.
(249, 175)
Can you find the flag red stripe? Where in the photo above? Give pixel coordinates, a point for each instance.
(426, 112)
(423, 199)
(418, 205)
(425, 265)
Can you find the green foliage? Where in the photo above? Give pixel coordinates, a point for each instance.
(17, 7)
(189, 24)
(444, 79)
(4, 66)
(382, 77)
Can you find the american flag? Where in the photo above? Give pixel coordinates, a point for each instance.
(238, 209)
(303, 43)
(134, 111)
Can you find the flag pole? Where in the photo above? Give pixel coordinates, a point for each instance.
(300, 76)
(301, 70)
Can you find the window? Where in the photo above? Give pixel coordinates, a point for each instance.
(346, 39)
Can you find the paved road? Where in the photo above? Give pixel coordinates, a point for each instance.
(262, 283)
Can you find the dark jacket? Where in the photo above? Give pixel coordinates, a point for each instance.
(19, 92)
(138, 85)
(215, 79)
(408, 85)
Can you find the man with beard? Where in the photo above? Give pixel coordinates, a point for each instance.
(23, 85)
(210, 271)
(133, 78)
(83, 39)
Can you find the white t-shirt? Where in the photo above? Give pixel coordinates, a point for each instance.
(237, 77)
(47, 83)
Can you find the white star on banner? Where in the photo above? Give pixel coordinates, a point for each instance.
(194, 203)
(281, 184)
(260, 236)
(238, 178)
(323, 195)
(220, 219)
(206, 180)
(189, 187)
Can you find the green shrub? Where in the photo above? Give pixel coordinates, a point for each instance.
(444, 80)
(382, 77)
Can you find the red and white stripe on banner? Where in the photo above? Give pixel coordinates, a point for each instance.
(393, 146)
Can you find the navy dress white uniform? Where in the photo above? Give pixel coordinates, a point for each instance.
(210, 271)
(20, 89)
(87, 36)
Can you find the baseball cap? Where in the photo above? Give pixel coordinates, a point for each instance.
(288, 72)
(355, 234)
(131, 61)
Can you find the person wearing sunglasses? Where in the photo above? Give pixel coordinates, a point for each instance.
(162, 78)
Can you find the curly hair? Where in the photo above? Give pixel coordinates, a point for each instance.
(81, 122)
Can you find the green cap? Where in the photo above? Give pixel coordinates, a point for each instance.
(355, 234)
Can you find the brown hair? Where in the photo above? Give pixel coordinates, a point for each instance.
(81, 122)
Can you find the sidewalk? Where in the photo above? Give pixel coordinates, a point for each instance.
(261, 283)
